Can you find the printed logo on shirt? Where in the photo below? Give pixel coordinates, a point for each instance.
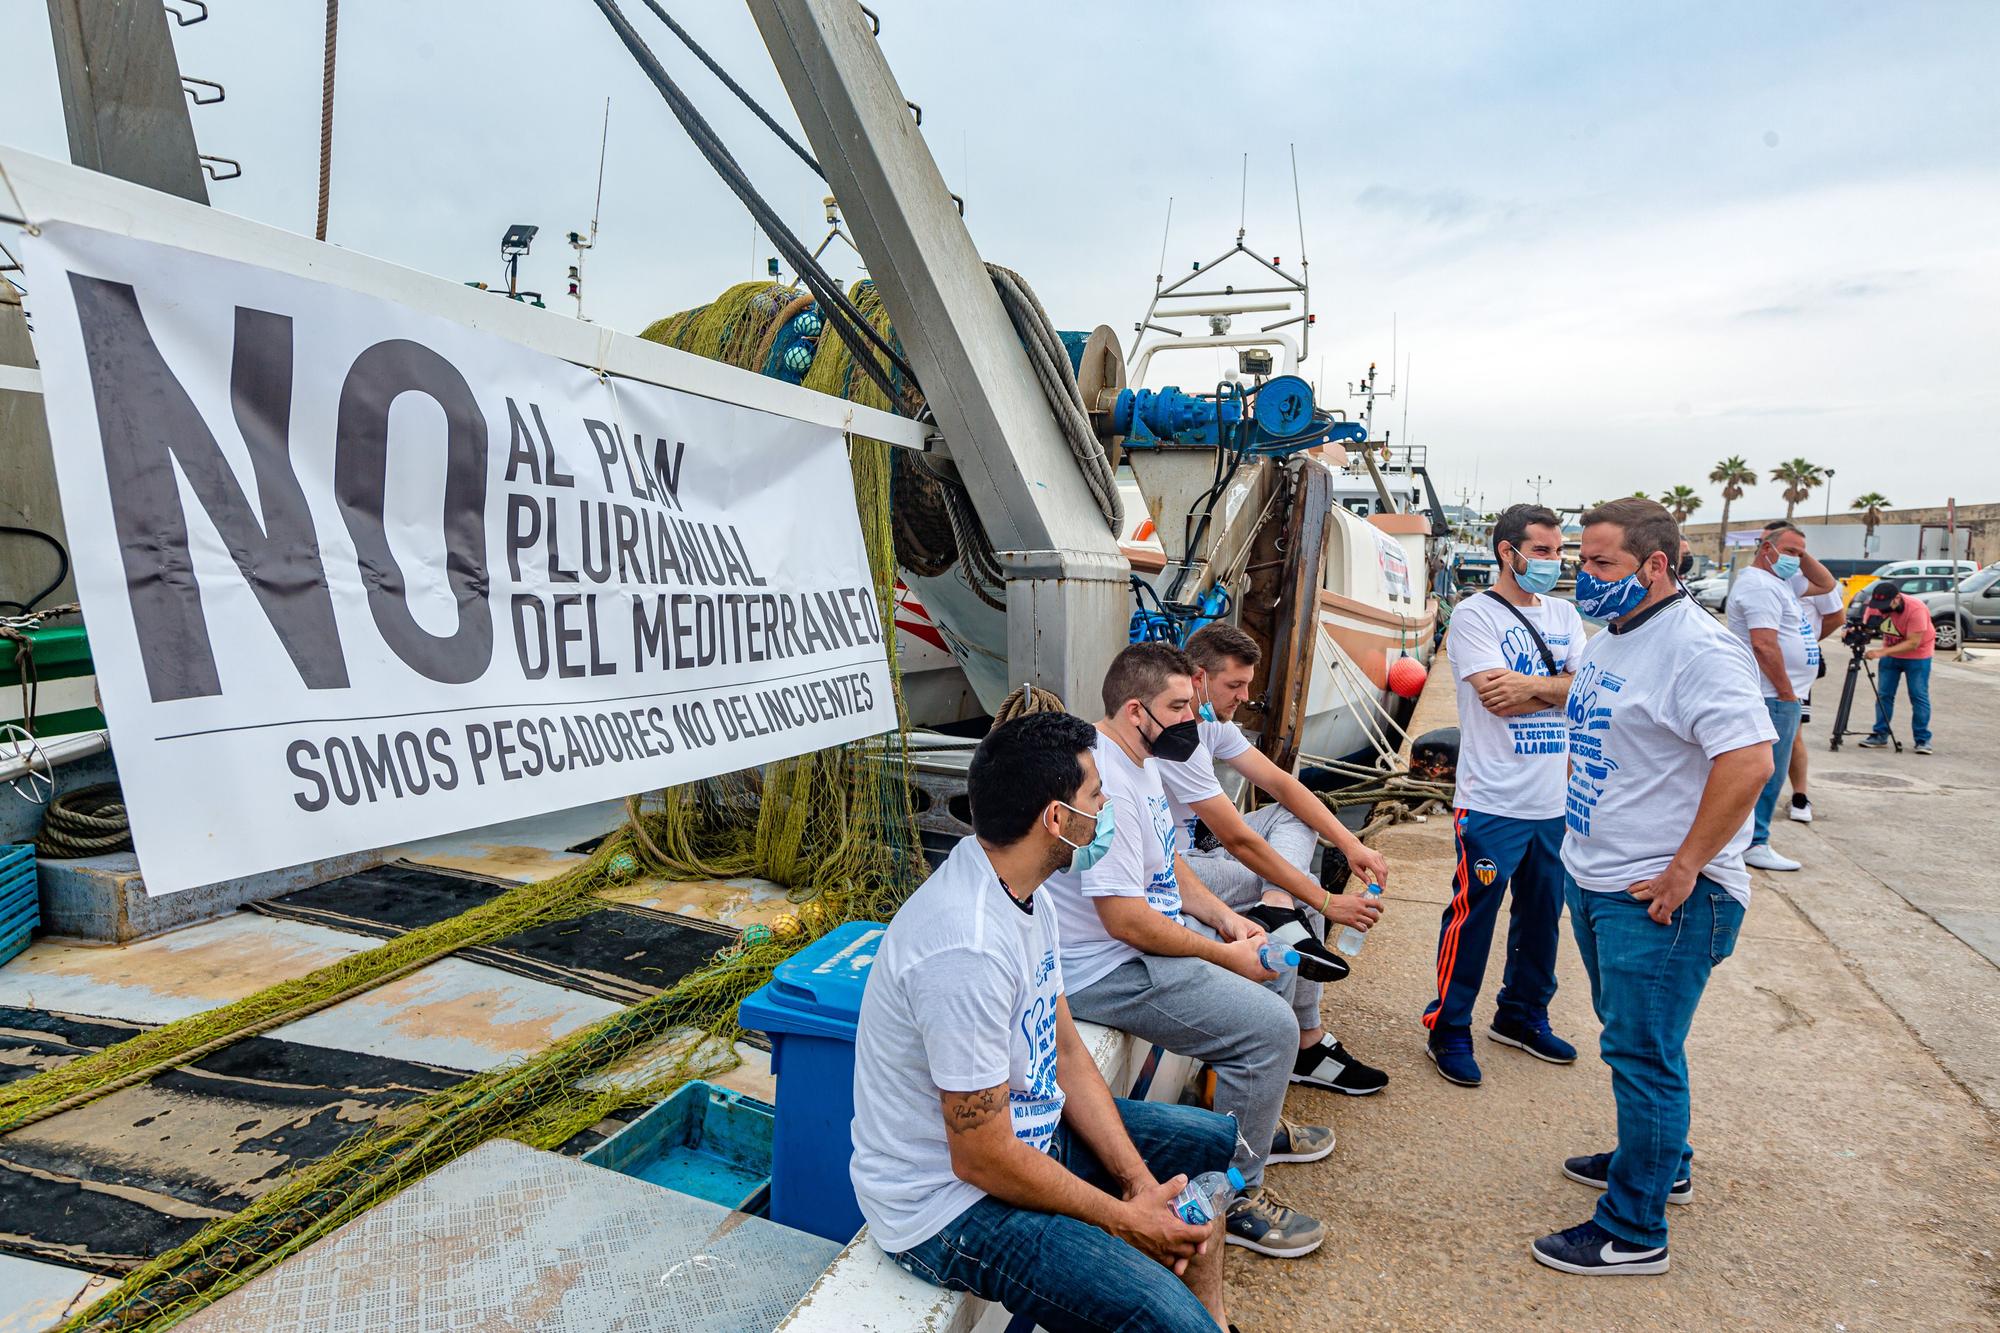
(1037, 1108)
(1163, 891)
(1809, 632)
(1486, 870)
(1523, 658)
(1589, 714)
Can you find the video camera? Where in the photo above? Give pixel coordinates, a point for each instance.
(1858, 634)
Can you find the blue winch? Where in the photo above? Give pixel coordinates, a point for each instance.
(1281, 417)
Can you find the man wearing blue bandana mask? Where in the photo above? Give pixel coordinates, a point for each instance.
(1766, 614)
(1512, 651)
(989, 1154)
(1669, 746)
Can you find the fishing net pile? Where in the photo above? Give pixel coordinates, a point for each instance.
(836, 828)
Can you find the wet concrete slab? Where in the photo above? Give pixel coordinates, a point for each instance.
(175, 975)
(36, 1295)
(519, 850)
(453, 1013)
(508, 1237)
(127, 1177)
(735, 902)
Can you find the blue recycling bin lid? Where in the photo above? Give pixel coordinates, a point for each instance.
(817, 991)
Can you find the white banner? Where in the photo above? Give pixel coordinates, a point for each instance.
(355, 575)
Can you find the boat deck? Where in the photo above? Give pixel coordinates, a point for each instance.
(90, 1193)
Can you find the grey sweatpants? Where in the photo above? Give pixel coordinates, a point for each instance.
(1239, 886)
(1243, 1031)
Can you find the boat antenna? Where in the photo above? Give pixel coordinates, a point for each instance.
(1243, 201)
(1160, 275)
(583, 243)
(1305, 275)
(1406, 404)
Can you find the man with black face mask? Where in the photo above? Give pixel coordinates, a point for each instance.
(1148, 949)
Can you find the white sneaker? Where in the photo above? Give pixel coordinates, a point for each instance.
(1766, 857)
(1800, 811)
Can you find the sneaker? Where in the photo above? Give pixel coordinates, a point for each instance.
(1535, 1038)
(1875, 743)
(1451, 1052)
(1595, 1171)
(1766, 857)
(1299, 1143)
(1801, 809)
(1923, 747)
(1259, 1220)
(1287, 927)
(1594, 1252)
(1331, 1066)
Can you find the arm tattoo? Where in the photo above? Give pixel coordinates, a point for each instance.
(967, 1111)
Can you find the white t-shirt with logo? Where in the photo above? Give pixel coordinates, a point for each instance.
(1193, 779)
(1760, 599)
(961, 997)
(1815, 606)
(1140, 864)
(1648, 713)
(1511, 766)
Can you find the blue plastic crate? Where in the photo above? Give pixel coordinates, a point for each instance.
(20, 898)
(711, 1142)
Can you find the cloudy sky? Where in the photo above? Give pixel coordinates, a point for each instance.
(1618, 241)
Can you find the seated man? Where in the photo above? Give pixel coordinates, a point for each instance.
(1147, 949)
(1258, 864)
(989, 1156)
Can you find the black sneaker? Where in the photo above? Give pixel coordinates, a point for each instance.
(1594, 1252)
(1287, 927)
(1331, 1066)
(1334, 870)
(1595, 1171)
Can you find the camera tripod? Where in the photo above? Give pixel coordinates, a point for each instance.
(1857, 668)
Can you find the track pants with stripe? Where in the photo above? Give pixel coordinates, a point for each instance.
(1494, 853)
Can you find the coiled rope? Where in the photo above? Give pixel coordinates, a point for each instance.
(1051, 361)
(90, 821)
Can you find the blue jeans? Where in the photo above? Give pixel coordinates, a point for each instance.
(1785, 717)
(1917, 671)
(1645, 981)
(1069, 1276)
(1494, 853)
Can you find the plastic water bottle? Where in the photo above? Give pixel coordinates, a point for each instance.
(1351, 940)
(1202, 1199)
(1276, 958)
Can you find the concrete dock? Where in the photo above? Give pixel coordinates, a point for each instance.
(1846, 1067)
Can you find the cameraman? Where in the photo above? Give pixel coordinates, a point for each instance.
(1908, 642)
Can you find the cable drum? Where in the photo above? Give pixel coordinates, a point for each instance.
(87, 822)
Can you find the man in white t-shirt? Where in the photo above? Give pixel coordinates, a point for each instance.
(1149, 950)
(1513, 650)
(1260, 864)
(1669, 745)
(989, 1155)
(1766, 615)
(1822, 616)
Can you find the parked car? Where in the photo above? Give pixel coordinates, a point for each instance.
(1919, 586)
(1710, 591)
(1978, 615)
(1904, 569)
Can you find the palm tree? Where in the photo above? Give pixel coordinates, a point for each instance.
(1871, 506)
(1680, 502)
(1732, 474)
(1799, 477)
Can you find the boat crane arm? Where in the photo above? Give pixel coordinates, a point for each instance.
(1068, 601)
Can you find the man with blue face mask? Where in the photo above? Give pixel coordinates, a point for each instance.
(1766, 614)
(1512, 650)
(989, 1154)
(1669, 745)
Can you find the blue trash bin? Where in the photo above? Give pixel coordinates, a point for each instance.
(810, 1009)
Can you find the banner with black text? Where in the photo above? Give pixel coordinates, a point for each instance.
(355, 574)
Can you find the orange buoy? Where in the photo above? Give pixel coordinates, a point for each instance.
(1407, 676)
